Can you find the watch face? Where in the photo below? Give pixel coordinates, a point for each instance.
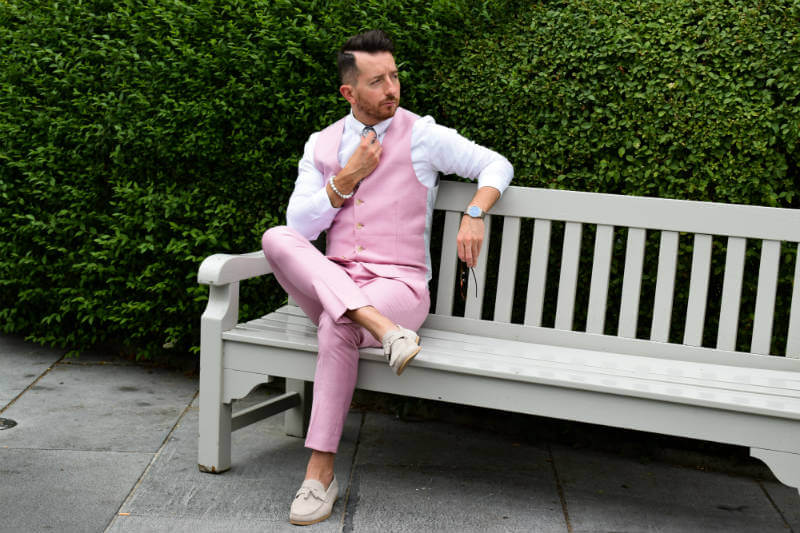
(474, 211)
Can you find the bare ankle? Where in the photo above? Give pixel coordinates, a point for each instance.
(372, 320)
(320, 467)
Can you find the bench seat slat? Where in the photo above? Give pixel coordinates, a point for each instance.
(731, 294)
(274, 324)
(665, 286)
(477, 351)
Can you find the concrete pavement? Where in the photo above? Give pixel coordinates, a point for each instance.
(102, 444)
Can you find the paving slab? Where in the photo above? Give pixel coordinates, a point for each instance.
(787, 499)
(22, 363)
(99, 407)
(432, 476)
(159, 524)
(267, 469)
(388, 440)
(63, 490)
(398, 499)
(608, 493)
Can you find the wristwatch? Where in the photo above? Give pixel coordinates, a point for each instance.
(475, 212)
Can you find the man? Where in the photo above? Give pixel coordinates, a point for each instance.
(370, 181)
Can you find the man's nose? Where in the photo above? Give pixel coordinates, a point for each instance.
(392, 87)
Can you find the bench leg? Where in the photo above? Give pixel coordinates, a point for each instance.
(785, 465)
(296, 419)
(214, 447)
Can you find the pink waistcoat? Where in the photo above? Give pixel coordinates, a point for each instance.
(383, 224)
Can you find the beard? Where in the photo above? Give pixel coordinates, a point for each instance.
(377, 112)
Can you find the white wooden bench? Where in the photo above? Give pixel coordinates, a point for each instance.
(717, 394)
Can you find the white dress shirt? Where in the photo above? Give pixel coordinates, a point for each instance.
(434, 149)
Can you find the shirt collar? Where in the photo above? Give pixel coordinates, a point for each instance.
(356, 126)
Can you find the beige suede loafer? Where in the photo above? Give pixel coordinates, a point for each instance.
(313, 503)
(399, 347)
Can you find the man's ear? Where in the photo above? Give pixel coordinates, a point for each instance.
(347, 93)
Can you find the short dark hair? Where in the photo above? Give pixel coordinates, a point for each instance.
(371, 41)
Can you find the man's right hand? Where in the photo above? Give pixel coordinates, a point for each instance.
(364, 159)
(360, 165)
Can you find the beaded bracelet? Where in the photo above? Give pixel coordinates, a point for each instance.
(340, 195)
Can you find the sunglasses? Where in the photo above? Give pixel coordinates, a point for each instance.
(463, 279)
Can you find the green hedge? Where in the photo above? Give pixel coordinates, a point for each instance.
(138, 137)
(670, 98)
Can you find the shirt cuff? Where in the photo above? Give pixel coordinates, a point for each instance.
(322, 204)
(497, 174)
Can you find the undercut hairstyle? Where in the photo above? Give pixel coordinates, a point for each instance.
(371, 42)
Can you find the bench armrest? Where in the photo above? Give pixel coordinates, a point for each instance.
(221, 269)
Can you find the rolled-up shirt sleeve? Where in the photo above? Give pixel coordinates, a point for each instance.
(309, 211)
(449, 152)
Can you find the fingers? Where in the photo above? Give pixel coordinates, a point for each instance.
(470, 240)
(471, 253)
(475, 252)
(370, 138)
(462, 252)
(370, 145)
(468, 251)
(366, 157)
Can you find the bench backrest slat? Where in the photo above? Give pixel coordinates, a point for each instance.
(765, 296)
(665, 286)
(538, 274)
(731, 293)
(507, 271)
(793, 343)
(778, 224)
(631, 283)
(691, 237)
(473, 302)
(601, 270)
(698, 290)
(568, 282)
(447, 268)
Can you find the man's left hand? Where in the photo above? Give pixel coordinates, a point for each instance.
(470, 239)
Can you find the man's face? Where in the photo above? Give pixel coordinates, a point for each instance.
(376, 92)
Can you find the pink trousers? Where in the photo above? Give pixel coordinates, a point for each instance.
(326, 290)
